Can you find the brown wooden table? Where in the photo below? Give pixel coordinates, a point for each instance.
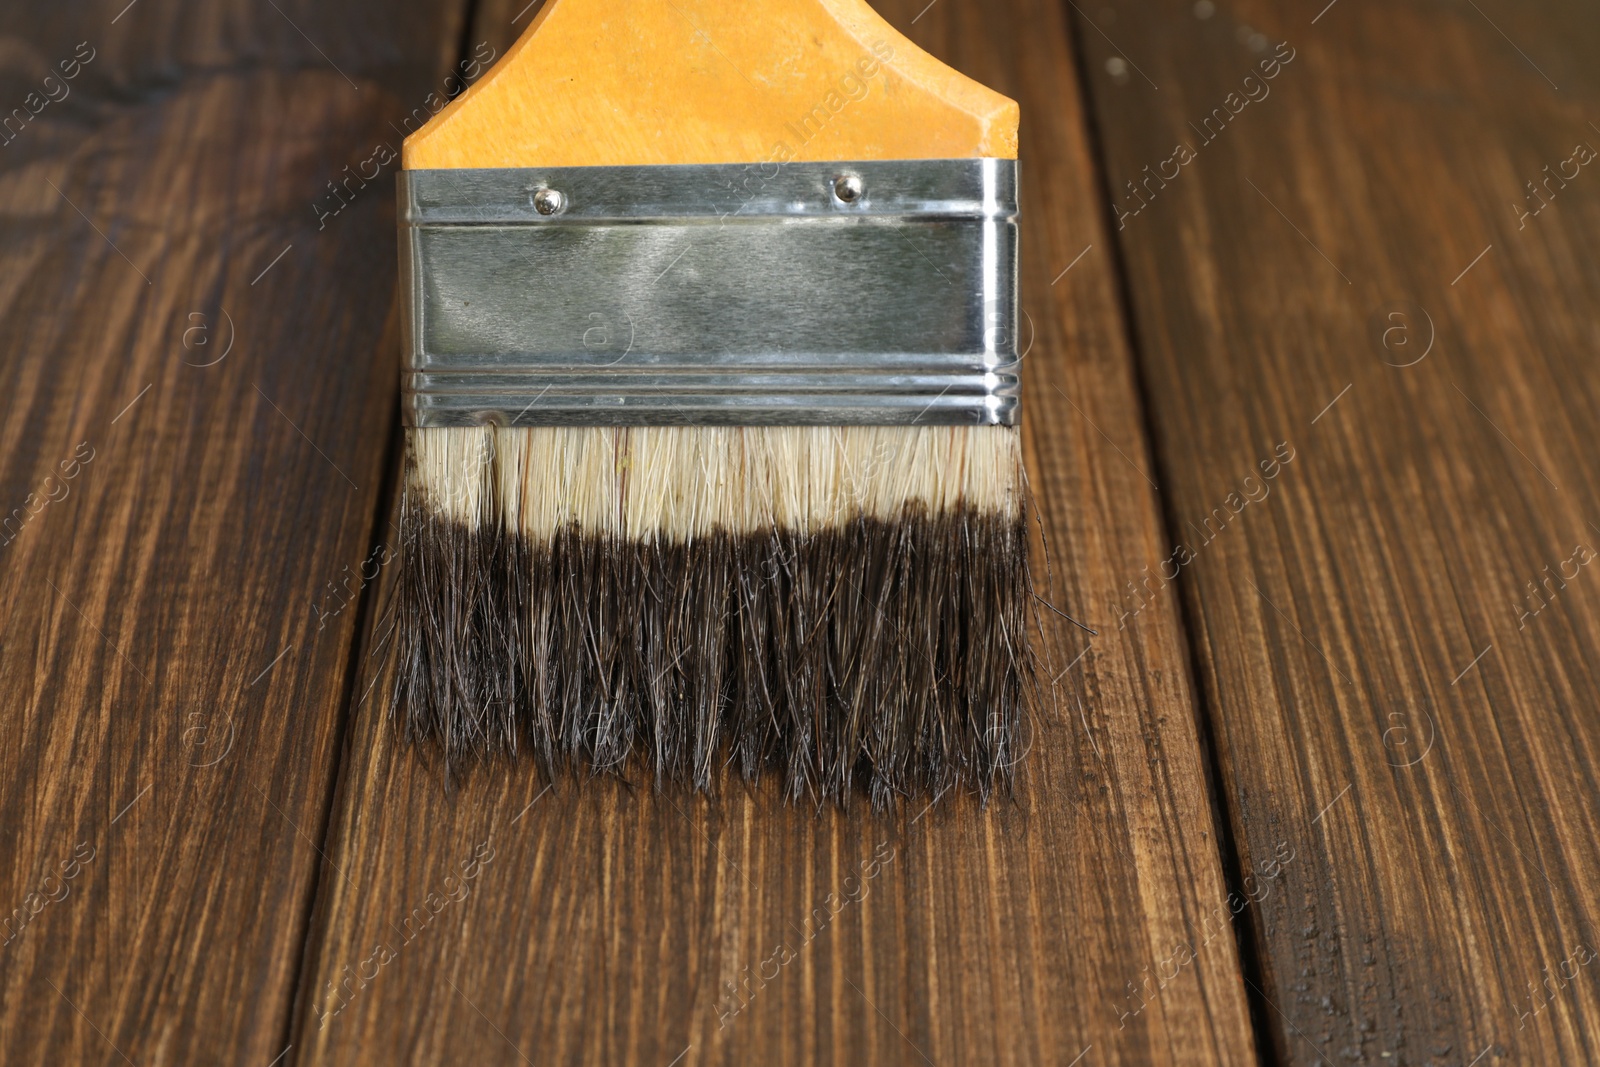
(1311, 423)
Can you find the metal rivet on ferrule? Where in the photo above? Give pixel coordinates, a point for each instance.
(848, 188)
(548, 201)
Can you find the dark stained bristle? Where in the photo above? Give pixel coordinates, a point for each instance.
(871, 656)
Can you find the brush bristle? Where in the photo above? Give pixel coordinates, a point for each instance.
(848, 605)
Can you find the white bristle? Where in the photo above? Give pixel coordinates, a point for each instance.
(680, 483)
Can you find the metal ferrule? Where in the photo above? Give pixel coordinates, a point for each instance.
(770, 294)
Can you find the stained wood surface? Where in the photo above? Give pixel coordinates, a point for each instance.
(1389, 694)
(219, 853)
(199, 396)
(611, 923)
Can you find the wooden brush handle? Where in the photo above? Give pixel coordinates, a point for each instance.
(634, 82)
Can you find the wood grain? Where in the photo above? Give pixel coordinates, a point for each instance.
(498, 23)
(1344, 266)
(505, 919)
(200, 396)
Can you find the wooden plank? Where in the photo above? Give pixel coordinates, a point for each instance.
(1344, 266)
(144, 46)
(200, 394)
(510, 920)
(501, 22)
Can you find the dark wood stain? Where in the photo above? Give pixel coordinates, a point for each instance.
(211, 422)
(1440, 806)
(219, 849)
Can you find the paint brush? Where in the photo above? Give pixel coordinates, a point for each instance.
(710, 398)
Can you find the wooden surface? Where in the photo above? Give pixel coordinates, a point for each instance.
(1443, 807)
(1326, 792)
(175, 665)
